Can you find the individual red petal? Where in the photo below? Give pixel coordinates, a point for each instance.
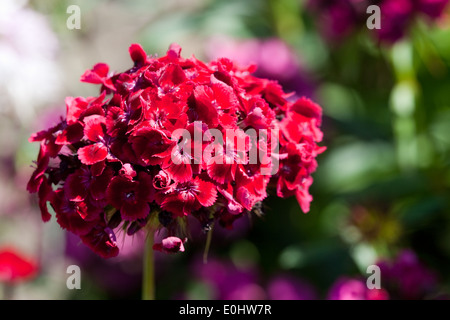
(98, 75)
(207, 192)
(38, 136)
(38, 174)
(170, 245)
(174, 51)
(306, 109)
(15, 266)
(220, 172)
(94, 127)
(93, 153)
(201, 108)
(69, 214)
(151, 146)
(181, 202)
(233, 206)
(71, 134)
(74, 108)
(303, 197)
(137, 54)
(100, 241)
(118, 186)
(97, 168)
(171, 76)
(100, 183)
(246, 198)
(224, 96)
(180, 172)
(171, 204)
(75, 186)
(45, 194)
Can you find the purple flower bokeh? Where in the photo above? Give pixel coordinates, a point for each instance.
(339, 19)
(288, 287)
(229, 282)
(274, 59)
(408, 278)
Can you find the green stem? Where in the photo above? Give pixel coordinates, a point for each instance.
(148, 272)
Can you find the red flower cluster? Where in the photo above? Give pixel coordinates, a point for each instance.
(121, 160)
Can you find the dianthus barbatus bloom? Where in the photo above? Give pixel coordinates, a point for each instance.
(171, 138)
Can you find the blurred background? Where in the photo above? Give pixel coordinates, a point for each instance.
(381, 191)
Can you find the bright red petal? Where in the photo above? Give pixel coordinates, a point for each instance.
(93, 153)
(94, 127)
(137, 54)
(207, 192)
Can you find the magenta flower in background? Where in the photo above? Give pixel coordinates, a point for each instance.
(227, 281)
(339, 19)
(347, 288)
(288, 287)
(403, 277)
(406, 277)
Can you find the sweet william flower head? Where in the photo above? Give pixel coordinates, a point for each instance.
(173, 137)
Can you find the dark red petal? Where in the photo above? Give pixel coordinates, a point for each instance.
(74, 187)
(99, 241)
(138, 210)
(100, 183)
(97, 168)
(145, 191)
(93, 153)
(180, 204)
(117, 188)
(72, 134)
(45, 194)
(38, 174)
(137, 54)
